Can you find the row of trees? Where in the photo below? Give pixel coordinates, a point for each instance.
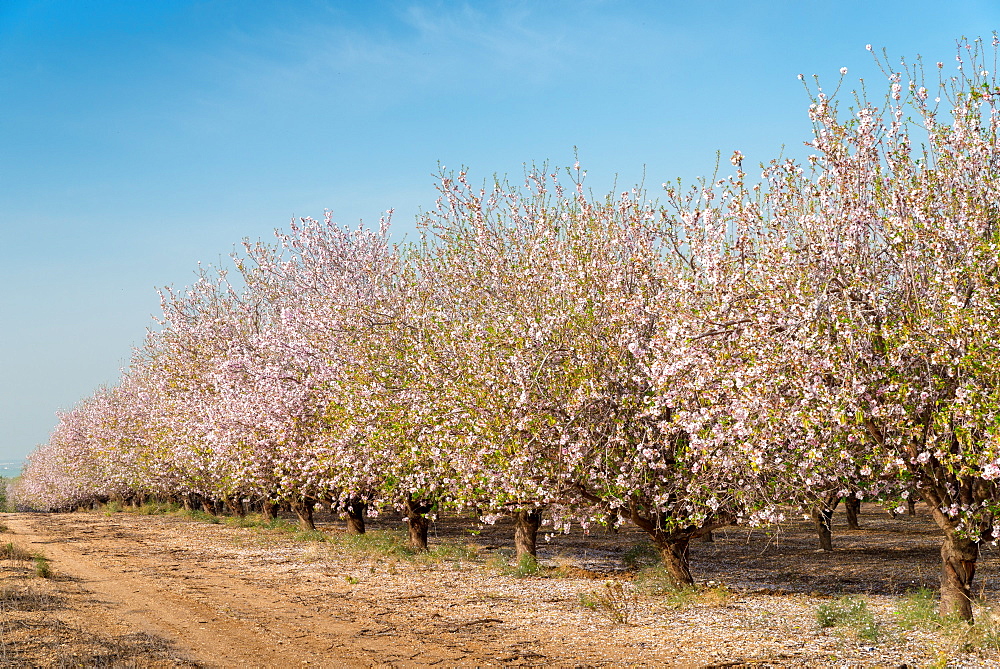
(736, 351)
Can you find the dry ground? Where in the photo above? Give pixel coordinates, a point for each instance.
(168, 591)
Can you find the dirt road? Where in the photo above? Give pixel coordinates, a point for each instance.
(166, 579)
(220, 596)
(165, 591)
(209, 613)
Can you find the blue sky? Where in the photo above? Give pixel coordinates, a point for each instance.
(138, 139)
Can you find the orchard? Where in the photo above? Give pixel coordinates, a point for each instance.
(755, 346)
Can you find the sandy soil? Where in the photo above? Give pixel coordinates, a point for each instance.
(163, 591)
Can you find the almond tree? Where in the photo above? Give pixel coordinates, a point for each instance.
(865, 327)
(540, 307)
(336, 301)
(914, 300)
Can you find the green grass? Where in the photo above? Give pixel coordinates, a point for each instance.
(394, 544)
(259, 521)
(114, 506)
(376, 543)
(19, 556)
(852, 613)
(656, 581)
(451, 551)
(201, 516)
(919, 610)
(641, 556)
(43, 569)
(310, 535)
(156, 508)
(503, 561)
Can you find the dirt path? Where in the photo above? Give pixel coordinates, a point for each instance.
(213, 614)
(165, 591)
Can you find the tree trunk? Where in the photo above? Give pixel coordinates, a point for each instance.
(676, 558)
(612, 522)
(707, 537)
(418, 524)
(526, 524)
(303, 509)
(852, 505)
(911, 505)
(822, 517)
(270, 510)
(235, 506)
(355, 509)
(958, 567)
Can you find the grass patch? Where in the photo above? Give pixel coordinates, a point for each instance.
(852, 613)
(311, 535)
(201, 516)
(43, 566)
(157, 508)
(714, 594)
(617, 601)
(655, 581)
(13, 552)
(114, 506)
(919, 610)
(641, 556)
(658, 582)
(19, 556)
(982, 636)
(376, 543)
(272, 524)
(13, 598)
(258, 520)
(525, 566)
(372, 544)
(453, 552)
(394, 544)
(504, 562)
